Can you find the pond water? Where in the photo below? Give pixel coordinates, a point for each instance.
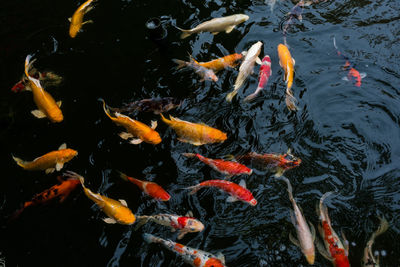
(346, 136)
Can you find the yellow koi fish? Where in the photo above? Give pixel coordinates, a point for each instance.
(47, 106)
(49, 162)
(117, 211)
(135, 128)
(194, 133)
(287, 63)
(77, 18)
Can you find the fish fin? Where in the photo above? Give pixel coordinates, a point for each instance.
(189, 155)
(125, 135)
(185, 33)
(250, 98)
(87, 22)
(153, 125)
(123, 202)
(244, 53)
(363, 75)
(345, 79)
(28, 88)
(242, 183)
(59, 166)
(196, 143)
(181, 63)
(189, 214)
(136, 141)
(229, 176)
(229, 157)
(279, 172)
(194, 189)
(63, 198)
(63, 146)
(221, 257)
(258, 61)
(49, 170)
(231, 95)
(69, 19)
(312, 228)
(109, 220)
(294, 61)
(181, 234)
(19, 161)
(290, 101)
(38, 114)
(346, 243)
(323, 251)
(292, 218)
(215, 33)
(294, 240)
(231, 199)
(59, 103)
(229, 28)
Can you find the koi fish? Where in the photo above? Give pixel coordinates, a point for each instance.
(276, 162)
(334, 250)
(77, 18)
(263, 76)
(47, 78)
(305, 237)
(205, 74)
(287, 63)
(353, 74)
(221, 63)
(194, 257)
(117, 211)
(236, 191)
(229, 168)
(184, 224)
(134, 128)
(155, 105)
(216, 25)
(246, 68)
(150, 188)
(47, 106)
(295, 13)
(60, 191)
(369, 259)
(49, 162)
(194, 133)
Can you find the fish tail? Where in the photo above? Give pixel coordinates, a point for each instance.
(194, 189)
(106, 108)
(149, 238)
(322, 209)
(123, 176)
(141, 220)
(28, 65)
(231, 95)
(250, 97)
(20, 162)
(334, 43)
(74, 175)
(289, 186)
(164, 119)
(185, 33)
(189, 155)
(383, 226)
(181, 63)
(291, 101)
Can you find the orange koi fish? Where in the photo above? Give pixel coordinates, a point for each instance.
(47, 106)
(369, 258)
(334, 250)
(184, 224)
(150, 188)
(77, 18)
(135, 128)
(221, 63)
(287, 63)
(194, 257)
(194, 133)
(49, 162)
(117, 211)
(60, 191)
(229, 168)
(305, 237)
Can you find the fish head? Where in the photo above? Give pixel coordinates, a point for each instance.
(241, 18)
(288, 161)
(153, 138)
(266, 60)
(218, 136)
(253, 202)
(194, 225)
(55, 115)
(213, 262)
(73, 30)
(69, 154)
(210, 75)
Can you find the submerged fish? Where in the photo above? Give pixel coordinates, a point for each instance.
(353, 74)
(49, 162)
(221, 63)
(194, 257)
(334, 250)
(204, 73)
(369, 258)
(305, 237)
(216, 25)
(47, 78)
(194, 133)
(155, 105)
(275, 162)
(184, 224)
(263, 76)
(47, 106)
(150, 188)
(236, 191)
(287, 63)
(134, 128)
(77, 18)
(246, 68)
(60, 191)
(117, 211)
(229, 168)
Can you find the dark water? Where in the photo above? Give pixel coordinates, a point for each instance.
(347, 137)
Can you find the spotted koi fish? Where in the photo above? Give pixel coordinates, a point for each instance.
(183, 224)
(194, 257)
(150, 188)
(369, 258)
(205, 73)
(229, 168)
(222, 63)
(47, 78)
(334, 250)
(77, 18)
(155, 105)
(236, 191)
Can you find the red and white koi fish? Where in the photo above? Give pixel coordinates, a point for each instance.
(47, 78)
(334, 250)
(205, 74)
(369, 259)
(236, 191)
(229, 168)
(194, 257)
(263, 76)
(353, 74)
(150, 188)
(184, 224)
(305, 237)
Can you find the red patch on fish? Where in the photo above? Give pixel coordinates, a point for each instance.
(265, 72)
(338, 254)
(156, 191)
